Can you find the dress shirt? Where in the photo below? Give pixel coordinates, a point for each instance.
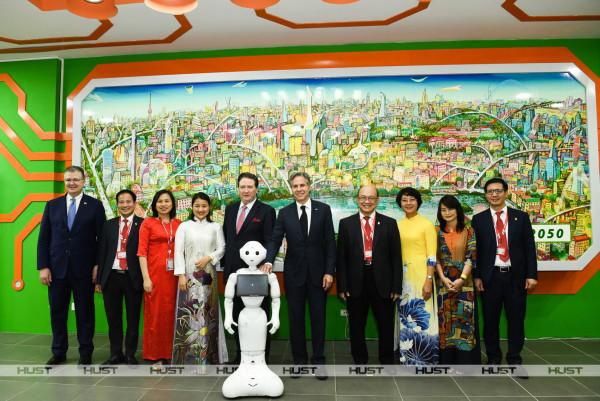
(248, 208)
(77, 202)
(115, 265)
(504, 218)
(308, 212)
(362, 227)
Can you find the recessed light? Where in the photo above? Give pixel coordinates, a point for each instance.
(94, 1)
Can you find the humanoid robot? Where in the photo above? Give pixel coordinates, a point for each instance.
(253, 377)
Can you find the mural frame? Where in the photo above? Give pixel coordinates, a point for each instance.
(75, 102)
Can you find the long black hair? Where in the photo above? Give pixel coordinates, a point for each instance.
(451, 203)
(157, 195)
(203, 196)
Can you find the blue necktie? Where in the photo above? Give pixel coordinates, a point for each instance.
(71, 214)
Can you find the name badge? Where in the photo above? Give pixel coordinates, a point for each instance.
(368, 254)
(122, 255)
(170, 265)
(500, 251)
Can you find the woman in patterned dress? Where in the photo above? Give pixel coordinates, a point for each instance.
(416, 331)
(456, 299)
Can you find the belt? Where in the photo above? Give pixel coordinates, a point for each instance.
(502, 269)
(367, 262)
(120, 271)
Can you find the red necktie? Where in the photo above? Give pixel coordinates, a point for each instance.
(501, 233)
(124, 235)
(368, 238)
(240, 221)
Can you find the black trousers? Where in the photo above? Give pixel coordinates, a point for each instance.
(59, 297)
(317, 300)
(238, 305)
(383, 310)
(501, 291)
(119, 287)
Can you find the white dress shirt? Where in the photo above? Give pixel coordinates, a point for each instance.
(77, 202)
(504, 217)
(116, 265)
(308, 212)
(248, 208)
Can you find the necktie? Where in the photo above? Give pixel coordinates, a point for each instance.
(501, 233)
(71, 214)
(240, 221)
(368, 238)
(304, 222)
(124, 236)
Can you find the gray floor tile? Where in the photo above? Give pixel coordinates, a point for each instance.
(112, 393)
(368, 386)
(570, 359)
(498, 386)
(26, 353)
(344, 359)
(534, 360)
(587, 346)
(74, 380)
(38, 339)
(141, 382)
(411, 398)
(503, 399)
(200, 383)
(593, 383)
(383, 398)
(587, 398)
(162, 395)
(504, 348)
(12, 388)
(309, 385)
(51, 392)
(15, 338)
(342, 348)
(428, 386)
(555, 386)
(551, 347)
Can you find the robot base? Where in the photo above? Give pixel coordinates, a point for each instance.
(253, 378)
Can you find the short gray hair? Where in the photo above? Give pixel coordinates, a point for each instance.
(300, 174)
(75, 169)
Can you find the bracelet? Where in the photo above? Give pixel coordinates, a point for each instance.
(463, 277)
(429, 277)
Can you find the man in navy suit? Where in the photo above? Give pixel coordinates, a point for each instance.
(309, 266)
(369, 269)
(246, 220)
(70, 230)
(506, 269)
(119, 276)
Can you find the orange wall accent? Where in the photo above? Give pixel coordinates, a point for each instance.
(549, 282)
(18, 279)
(27, 200)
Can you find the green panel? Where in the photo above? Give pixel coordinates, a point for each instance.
(547, 315)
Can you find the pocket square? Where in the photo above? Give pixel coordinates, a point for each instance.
(255, 220)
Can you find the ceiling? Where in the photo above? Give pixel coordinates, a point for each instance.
(46, 28)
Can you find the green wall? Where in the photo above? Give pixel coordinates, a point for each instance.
(27, 310)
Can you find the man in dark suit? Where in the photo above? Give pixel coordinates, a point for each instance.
(119, 276)
(70, 230)
(309, 266)
(369, 269)
(506, 269)
(246, 220)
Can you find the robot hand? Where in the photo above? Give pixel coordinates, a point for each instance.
(275, 324)
(228, 322)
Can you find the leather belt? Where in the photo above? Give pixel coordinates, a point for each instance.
(502, 269)
(368, 262)
(119, 271)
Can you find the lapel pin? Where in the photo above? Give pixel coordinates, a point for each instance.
(85, 203)
(135, 224)
(515, 219)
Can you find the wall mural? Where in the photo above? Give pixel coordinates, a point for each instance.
(442, 134)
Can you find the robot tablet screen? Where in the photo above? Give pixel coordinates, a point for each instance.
(252, 285)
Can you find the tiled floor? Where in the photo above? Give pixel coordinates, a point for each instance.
(17, 348)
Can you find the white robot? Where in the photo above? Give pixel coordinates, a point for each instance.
(253, 377)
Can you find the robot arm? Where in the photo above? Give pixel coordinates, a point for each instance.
(229, 294)
(275, 303)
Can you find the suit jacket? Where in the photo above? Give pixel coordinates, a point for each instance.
(56, 243)
(521, 245)
(305, 259)
(108, 252)
(258, 226)
(387, 256)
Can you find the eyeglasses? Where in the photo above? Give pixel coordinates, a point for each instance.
(446, 211)
(494, 191)
(73, 180)
(363, 199)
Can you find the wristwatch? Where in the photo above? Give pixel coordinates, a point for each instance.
(430, 277)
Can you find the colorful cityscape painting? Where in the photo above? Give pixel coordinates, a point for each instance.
(442, 134)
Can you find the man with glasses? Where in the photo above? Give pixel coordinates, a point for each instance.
(369, 268)
(506, 269)
(70, 231)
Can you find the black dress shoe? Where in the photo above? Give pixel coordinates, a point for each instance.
(56, 360)
(131, 360)
(85, 360)
(493, 362)
(115, 360)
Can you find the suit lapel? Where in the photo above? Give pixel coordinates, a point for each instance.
(81, 209)
(357, 232)
(315, 214)
(489, 222)
(296, 220)
(511, 220)
(376, 231)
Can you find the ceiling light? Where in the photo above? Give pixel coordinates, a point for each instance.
(255, 4)
(172, 6)
(94, 9)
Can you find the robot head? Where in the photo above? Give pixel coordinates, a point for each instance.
(252, 253)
